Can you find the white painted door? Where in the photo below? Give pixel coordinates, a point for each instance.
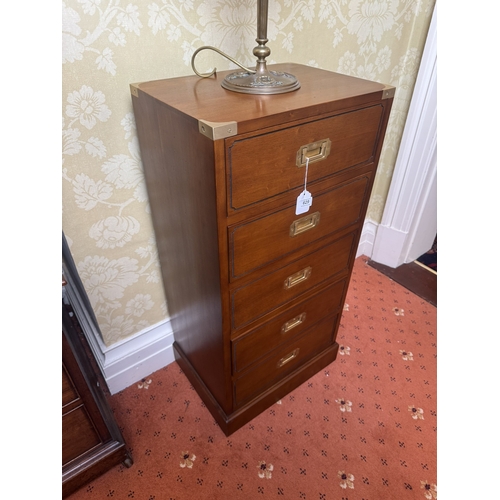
(409, 221)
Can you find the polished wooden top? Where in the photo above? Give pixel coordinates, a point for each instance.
(321, 92)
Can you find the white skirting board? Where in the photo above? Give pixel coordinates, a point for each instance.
(367, 239)
(369, 244)
(129, 361)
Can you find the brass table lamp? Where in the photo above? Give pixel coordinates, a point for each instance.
(260, 80)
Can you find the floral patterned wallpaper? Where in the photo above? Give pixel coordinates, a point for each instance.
(108, 44)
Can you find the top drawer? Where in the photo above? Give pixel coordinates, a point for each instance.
(264, 166)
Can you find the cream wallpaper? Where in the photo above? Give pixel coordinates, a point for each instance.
(108, 44)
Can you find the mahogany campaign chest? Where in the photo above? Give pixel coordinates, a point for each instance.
(256, 280)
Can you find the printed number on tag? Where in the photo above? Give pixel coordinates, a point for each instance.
(304, 202)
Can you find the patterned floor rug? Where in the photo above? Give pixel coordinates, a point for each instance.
(364, 428)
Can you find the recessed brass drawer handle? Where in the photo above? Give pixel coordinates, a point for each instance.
(315, 151)
(292, 323)
(298, 277)
(288, 358)
(304, 224)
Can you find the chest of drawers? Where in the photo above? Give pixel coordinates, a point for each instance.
(255, 292)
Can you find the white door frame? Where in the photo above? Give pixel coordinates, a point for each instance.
(409, 221)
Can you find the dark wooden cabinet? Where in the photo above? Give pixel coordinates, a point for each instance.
(91, 440)
(255, 291)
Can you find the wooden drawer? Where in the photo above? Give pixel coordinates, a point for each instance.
(264, 166)
(69, 393)
(252, 346)
(79, 435)
(261, 241)
(263, 295)
(285, 360)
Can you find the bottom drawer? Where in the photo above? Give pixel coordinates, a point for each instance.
(285, 360)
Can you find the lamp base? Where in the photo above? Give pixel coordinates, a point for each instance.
(266, 82)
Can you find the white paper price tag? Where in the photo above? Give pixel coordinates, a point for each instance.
(304, 202)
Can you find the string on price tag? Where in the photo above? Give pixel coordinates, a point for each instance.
(304, 200)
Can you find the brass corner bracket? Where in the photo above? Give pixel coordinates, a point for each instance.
(217, 130)
(388, 92)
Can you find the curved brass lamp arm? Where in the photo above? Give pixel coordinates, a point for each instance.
(207, 75)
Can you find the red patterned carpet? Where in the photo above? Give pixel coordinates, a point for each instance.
(364, 428)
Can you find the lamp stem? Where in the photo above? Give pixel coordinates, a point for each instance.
(262, 9)
(261, 52)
